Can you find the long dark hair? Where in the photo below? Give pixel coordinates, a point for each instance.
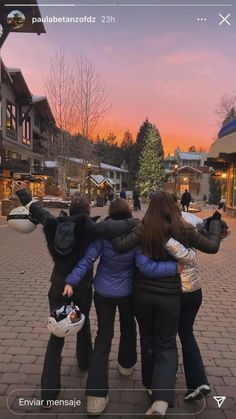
(161, 221)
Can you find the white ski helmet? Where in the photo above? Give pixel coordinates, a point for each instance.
(68, 320)
(18, 219)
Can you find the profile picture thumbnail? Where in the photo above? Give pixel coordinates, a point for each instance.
(16, 19)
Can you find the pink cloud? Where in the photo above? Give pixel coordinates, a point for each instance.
(186, 57)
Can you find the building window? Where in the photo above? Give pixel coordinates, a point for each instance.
(11, 121)
(117, 187)
(111, 175)
(26, 130)
(117, 175)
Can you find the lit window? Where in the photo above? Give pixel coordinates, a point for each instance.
(26, 130)
(11, 120)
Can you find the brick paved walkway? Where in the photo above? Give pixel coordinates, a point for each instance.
(24, 275)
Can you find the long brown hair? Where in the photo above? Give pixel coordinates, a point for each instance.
(119, 209)
(161, 221)
(79, 205)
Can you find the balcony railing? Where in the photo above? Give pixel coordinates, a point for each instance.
(43, 171)
(14, 165)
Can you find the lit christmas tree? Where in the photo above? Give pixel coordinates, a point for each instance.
(151, 174)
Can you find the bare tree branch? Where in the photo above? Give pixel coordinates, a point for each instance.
(226, 107)
(60, 87)
(79, 102)
(91, 99)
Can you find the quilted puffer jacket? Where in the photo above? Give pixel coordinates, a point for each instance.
(114, 274)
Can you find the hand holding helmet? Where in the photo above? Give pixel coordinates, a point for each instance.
(68, 290)
(67, 320)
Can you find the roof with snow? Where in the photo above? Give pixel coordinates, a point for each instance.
(98, 179)
(51, 163)
(111, 181)
(189, 168)
(191, 155)
(104, 166)
(19, 85)
(112, 168)
(199, 170)
(36, 99)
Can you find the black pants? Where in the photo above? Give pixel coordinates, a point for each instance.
(193, 365)
(97, 383)
(185, 205)
(51, 375)
(158, 317)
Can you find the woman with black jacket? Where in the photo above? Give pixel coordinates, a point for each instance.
(157, 302)
(67, 239)
(113, 288)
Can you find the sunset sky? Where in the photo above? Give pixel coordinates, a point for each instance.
(157, 62)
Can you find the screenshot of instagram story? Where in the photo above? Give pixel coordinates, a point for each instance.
(117, 209)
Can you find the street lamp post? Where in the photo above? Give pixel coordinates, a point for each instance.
(68, 186)
(175, 178)
(89, 181)
(224, 185)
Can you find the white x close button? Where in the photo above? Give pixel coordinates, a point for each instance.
(224, 19)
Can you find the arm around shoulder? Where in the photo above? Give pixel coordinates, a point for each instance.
(85, 264)
(181, 253)
(154, 269)
(112, 228)
(209, 244)
(128, 241)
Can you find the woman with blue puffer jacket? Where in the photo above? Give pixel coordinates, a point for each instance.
(113, 288)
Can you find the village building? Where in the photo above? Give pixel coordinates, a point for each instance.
(28, 127)
(222, 158)
(89, 178)
(187, 170)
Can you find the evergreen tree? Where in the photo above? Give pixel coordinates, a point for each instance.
(151, 174)
(143, 134)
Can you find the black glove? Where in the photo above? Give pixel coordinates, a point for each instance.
(24, 196)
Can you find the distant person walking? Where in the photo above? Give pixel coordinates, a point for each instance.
(204, 199)
(123, 194)
(185, 200)
(137, 206)
(111, 196)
